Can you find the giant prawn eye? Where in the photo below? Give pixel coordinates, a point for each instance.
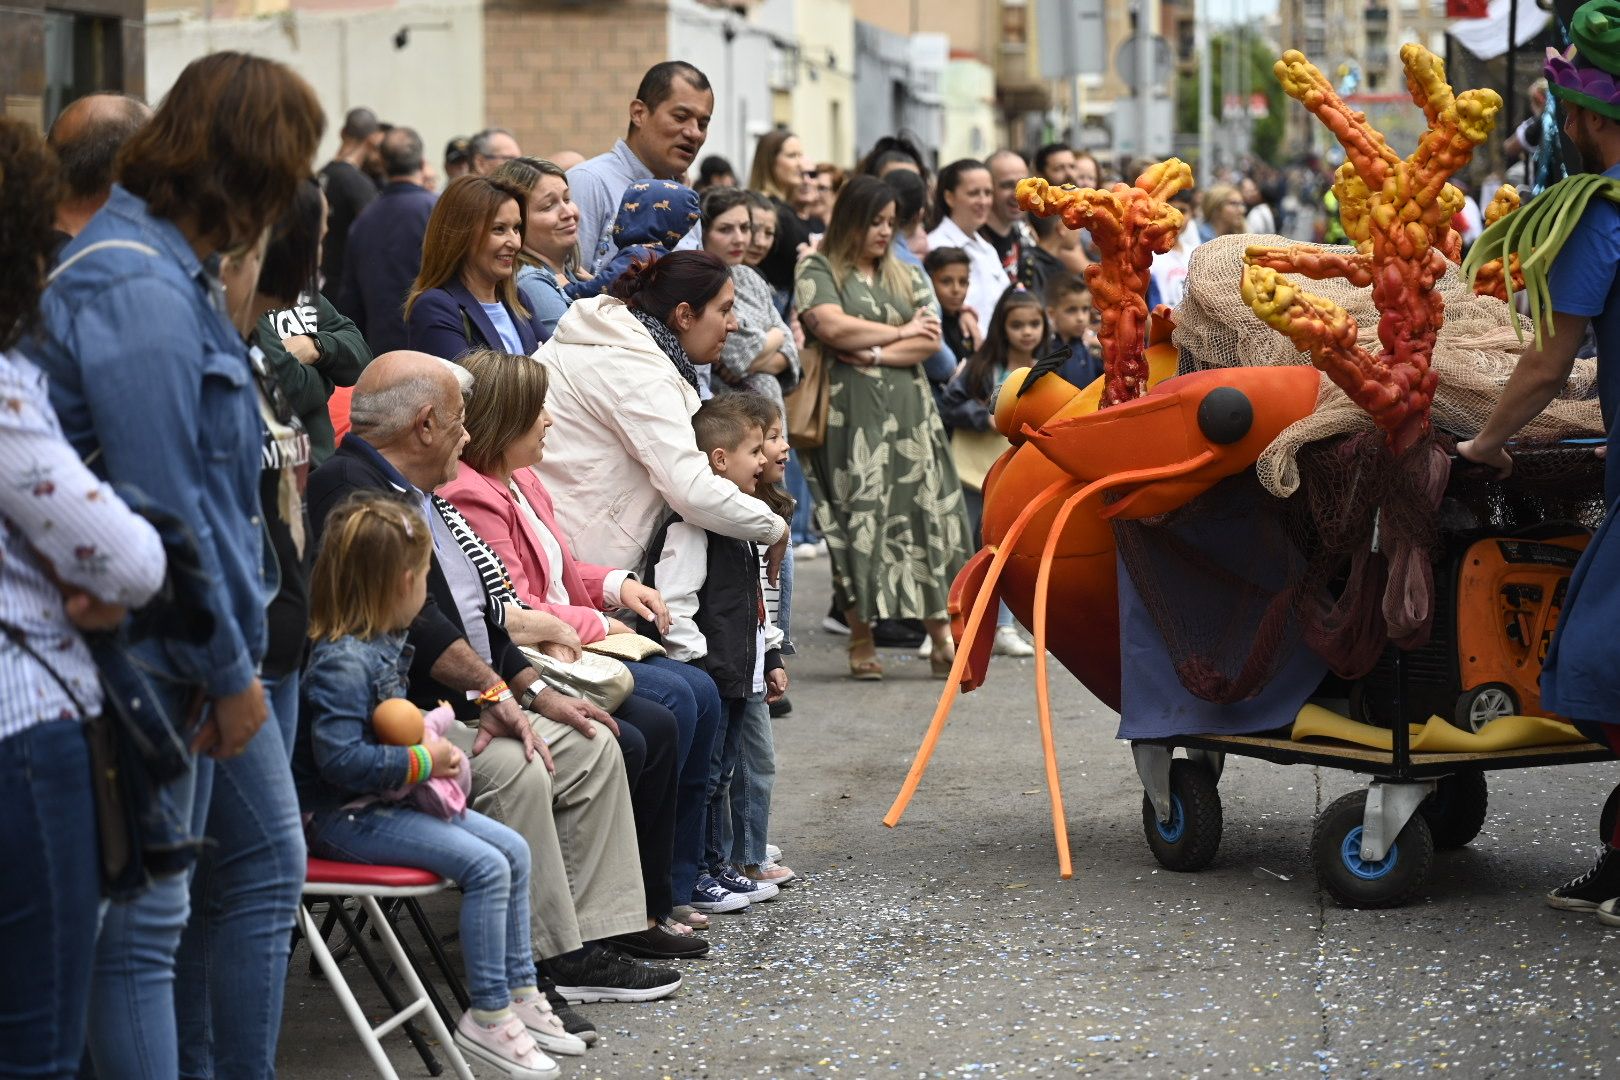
(1225, 415)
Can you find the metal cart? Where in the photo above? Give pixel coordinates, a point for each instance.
(1372, 848)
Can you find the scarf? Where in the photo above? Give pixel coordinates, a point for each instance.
(666, 339)
(492, 572)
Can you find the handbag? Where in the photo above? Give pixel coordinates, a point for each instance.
(627, 647)
(974, 453)
(806, 405)
(600, 680)
(116, 800)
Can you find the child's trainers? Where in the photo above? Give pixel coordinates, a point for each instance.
(755, 891)
(772, 872)
(713, 898)
(546, 1027)
(505, 1046)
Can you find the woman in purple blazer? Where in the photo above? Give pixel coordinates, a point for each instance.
(466, 295)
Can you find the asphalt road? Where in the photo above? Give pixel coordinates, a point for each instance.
(949, 946)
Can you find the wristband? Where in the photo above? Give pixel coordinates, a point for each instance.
(421, 766)
(497, 693)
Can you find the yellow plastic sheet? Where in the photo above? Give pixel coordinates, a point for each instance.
(1437, 736)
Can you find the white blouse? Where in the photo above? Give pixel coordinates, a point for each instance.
(556, 591)
(987, 278)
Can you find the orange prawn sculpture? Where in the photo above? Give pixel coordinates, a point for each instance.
(1142, 441)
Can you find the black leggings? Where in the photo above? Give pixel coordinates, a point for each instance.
(1604, 735)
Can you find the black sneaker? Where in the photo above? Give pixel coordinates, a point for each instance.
(781, 707)
(572, 1022)
(898, 633)
(603, 974)
(1592, 888)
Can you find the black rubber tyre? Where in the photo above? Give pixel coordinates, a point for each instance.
(1456, 810)
(1611, 808)
(1190, 841)
(1484, 703)
(1335, 853)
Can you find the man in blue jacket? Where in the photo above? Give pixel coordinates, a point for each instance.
(385, 246)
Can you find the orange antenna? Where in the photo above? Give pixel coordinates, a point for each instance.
(1398, 213)
(1130, 225)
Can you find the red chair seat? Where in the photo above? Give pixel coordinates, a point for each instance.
(332, 872)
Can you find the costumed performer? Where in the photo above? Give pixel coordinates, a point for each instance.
(1581, 677)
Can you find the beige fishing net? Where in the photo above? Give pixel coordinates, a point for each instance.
(1474, 356)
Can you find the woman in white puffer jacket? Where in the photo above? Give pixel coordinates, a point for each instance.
(621, 452)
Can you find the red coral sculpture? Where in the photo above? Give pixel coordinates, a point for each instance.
(1130, 224)
(1398, 213)
(1490, 280)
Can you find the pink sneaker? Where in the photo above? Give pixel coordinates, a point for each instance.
(546, 1027)
(506, 1047)
(773, 872)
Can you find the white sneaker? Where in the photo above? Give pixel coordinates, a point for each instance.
(1009, 643)
(926, 649)
(833, 626)
(507, 1047)
(773, 853)
(806, 552)
(546, 1028)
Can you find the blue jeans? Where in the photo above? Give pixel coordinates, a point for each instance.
(649, 739)
(689, 693)
(804, 512)
(784, 608)
(488, 860)
(49, 895)
(736, 833)
(232, 966)
(748, 783)
(132, 1009)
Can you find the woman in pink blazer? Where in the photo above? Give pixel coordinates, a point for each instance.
(503, 500)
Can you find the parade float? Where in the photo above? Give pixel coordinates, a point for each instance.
(1256, 508)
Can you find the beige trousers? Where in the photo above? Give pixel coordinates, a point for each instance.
(585, 881)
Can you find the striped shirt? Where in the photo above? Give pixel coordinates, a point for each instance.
(55, 515)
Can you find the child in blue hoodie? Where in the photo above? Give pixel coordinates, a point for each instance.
(653, 217)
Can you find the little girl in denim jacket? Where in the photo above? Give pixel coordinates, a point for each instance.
(370, 581)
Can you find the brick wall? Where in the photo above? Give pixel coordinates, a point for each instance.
(561, 76)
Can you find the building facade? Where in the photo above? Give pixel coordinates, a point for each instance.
(54, 54)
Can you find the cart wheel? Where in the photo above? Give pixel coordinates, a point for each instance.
(1611, 808)
(1482, 704)
(1355, 882)
(1188, 842)
(1456, 810)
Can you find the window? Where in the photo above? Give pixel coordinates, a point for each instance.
(1014, 24)
(83, 54)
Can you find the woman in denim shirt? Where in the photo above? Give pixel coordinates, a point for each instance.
(370, 581)
(549, 259)
(152, 382)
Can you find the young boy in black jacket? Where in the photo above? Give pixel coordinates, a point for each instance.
(710, 584)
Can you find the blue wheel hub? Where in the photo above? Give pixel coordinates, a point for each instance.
(1173, 830)
(1366, 870)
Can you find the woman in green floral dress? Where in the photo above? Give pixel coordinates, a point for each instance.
(887, 496)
